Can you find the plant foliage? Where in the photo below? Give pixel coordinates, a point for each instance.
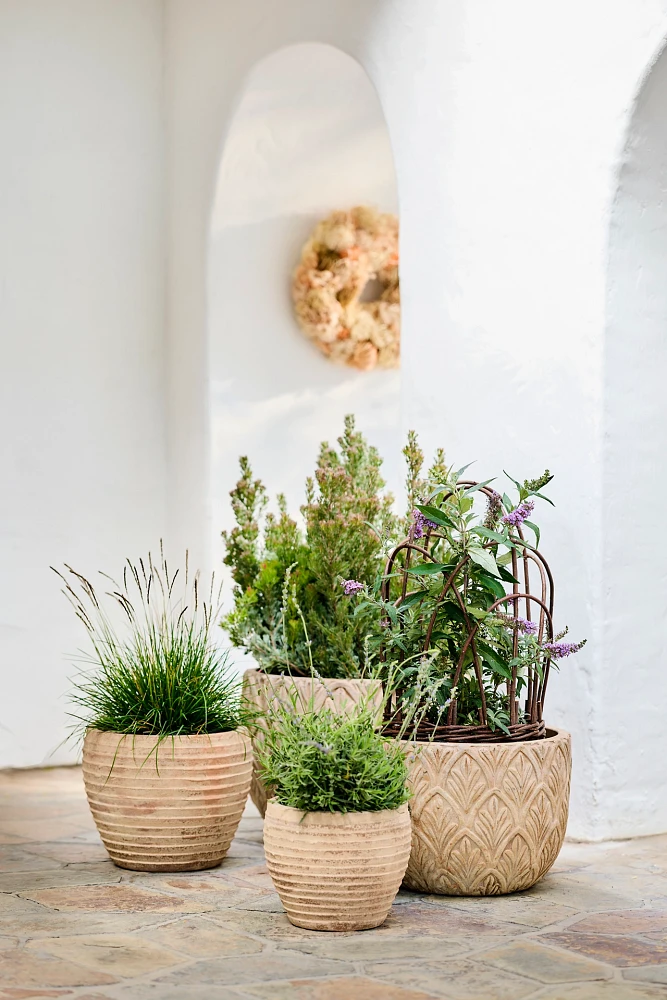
(290, 608)
(153, 667)
(320, 761)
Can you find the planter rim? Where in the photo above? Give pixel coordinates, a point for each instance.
(299, 817)
(552, 734)
(304, 677)
(142, 739)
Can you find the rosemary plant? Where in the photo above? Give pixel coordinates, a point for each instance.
(320, 761)
(152, 667)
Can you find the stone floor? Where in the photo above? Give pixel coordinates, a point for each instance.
(73, 925)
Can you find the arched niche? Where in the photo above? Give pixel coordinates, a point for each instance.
(629, 702)
(308, 136)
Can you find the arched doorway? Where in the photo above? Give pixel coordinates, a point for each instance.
(309, 136)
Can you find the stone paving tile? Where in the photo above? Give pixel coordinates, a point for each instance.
(122, 956)
(17, 993)
(615, 950)
(524, 909)
(26, 919)
(70, 853)
(639, 921)
(25, 968)
(371, 946)
(546, 965)
(211, 893)
(457, 980)
(647, 974)
(603, 991)
(346, 988)
(273, 965)
(113, 897)
(99, 873)
(201, 938)
(17, 859)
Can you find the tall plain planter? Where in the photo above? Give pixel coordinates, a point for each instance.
(487, 819)
(341, 695)
(336, 871)
(170, 805)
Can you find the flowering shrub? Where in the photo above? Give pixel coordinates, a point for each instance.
(442, 623)
(293, 586)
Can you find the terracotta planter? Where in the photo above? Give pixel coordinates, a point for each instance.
(487, 819)
(336, 871)
(339, 694)
(180, 815)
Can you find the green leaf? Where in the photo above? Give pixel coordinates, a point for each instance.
(461, 471)
(535, 530)
(504, 559)
(477, 486)
(484, 559)
(427, 569)
(542, 497)
(436, 515)
(491, 583)
(506, 575)
(507, 503)
(517, 484)
(495, 536)
(494, 661)
(411, 599)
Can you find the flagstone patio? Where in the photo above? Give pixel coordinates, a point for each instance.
(73, 925)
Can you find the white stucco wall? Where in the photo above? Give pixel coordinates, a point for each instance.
(297, 149)
(524, 279)
(81, 318)
(507, 123)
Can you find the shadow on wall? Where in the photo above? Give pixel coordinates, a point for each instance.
(298, 148)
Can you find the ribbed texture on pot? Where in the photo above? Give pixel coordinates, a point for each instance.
(336, 871)
(177, 815)
(339, 694)
(487, 818)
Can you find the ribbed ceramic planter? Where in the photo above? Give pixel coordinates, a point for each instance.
(338, 694)
(336, 871)
(487, 819)
(175, 812)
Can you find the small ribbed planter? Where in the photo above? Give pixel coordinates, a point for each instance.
(487, 818)
(341, 695)
(336, 871)
(179, 814)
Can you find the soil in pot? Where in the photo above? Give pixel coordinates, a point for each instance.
(487, 818)
(336, 871)
(167, 805)
(341, 695)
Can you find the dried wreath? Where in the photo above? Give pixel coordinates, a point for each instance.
(348, 250)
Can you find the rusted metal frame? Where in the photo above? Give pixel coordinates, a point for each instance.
(478, 668)
(511, 684)
(538, 690)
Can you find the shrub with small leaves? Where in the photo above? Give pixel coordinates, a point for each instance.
(320, 761)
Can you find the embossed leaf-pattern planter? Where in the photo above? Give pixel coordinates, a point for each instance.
(336, 871)
(175, 812)
(487, 819)
(341, 695)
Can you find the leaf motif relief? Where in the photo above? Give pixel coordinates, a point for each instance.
(488, 819)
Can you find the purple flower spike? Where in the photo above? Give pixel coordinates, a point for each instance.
(560, 649)
(517, 516)
(352, 587)
(526, 626)
(421, 524)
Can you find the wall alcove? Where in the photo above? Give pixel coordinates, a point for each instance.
(635, 475)
(308, 136)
